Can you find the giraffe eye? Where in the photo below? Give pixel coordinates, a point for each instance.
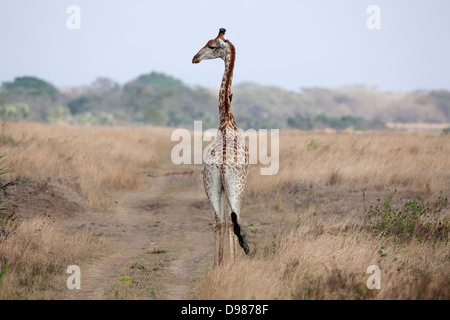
(211, 47)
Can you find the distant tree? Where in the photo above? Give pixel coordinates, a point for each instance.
(30, 86)
(153, 115)
(323, 120)
(442, 100)
(300, 122)
(39, 95)
(84, 103)
(161, 99)
(157, 81)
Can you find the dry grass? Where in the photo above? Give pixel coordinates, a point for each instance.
(36, 255)
(90, 165)
(88, 161)
(320, 261)
(309, 235)
(415, 163)
(308, 225)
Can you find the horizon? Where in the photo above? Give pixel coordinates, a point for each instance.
(298, 44)
(299, 91)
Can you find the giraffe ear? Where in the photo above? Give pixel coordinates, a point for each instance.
(221, 42)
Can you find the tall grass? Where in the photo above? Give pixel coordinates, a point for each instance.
(415, 163)
(35, 256)
(91, 162)
(328, 215)
(4, 214)
(310, 234)
(327, 258)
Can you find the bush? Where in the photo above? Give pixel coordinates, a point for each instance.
(14, 112)
(415, 220)
(95, 118)
(80, 104)
(446, 131)
(59, 113)
(323, 120)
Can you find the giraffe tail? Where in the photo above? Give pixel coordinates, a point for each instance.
(237, 232)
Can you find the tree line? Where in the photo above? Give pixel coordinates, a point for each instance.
(159, 99)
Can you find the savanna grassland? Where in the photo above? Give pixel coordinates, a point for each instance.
(57, 173)
(339, 203)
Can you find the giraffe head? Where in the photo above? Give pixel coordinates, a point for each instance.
(214, 48)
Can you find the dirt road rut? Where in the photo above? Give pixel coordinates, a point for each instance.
(171, 213)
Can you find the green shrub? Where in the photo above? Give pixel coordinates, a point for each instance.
(415, 220)
(95, 118)
(446, 131)
(15, 111)
(60, 113)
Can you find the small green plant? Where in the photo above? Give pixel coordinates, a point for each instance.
(2, 272)
(312, 144)
(27, 280)
(152, 292)
(415, 220)
(253, 229)
(127, 280)
(381, 252)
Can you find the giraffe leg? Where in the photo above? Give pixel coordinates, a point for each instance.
(213, 186)
(218, 241)
(234, 181)
(232, 237)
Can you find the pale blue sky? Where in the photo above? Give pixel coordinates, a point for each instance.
(291, 44)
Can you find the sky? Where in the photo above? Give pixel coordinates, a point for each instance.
(290, 44)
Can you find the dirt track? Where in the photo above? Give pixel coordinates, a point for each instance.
(172, 212)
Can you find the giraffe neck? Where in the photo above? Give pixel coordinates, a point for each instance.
(225, 116)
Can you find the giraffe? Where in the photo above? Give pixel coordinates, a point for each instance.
(226, 164)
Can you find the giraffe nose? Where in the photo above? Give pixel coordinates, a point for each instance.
(196, 59)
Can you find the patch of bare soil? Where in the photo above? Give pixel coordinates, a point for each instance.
(35, 198)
